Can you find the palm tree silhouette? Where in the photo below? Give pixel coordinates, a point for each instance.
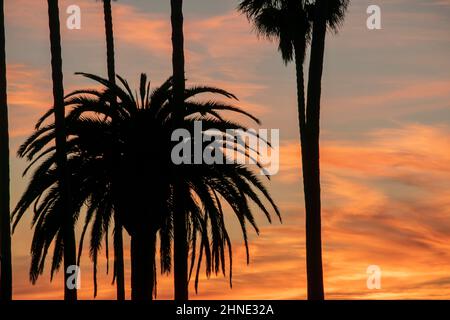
(293, 23)
(65, 210)
(5, 225)
(140, 129)
(331, 13)
(44, 191)
(181, 247)
(119, 275)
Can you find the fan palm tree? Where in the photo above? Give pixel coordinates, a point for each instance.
(65, 209)
(119, 275)
(146, 178)
(181, 248)
(293, 23)
(5, 226)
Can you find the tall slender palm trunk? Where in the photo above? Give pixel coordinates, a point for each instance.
(109, 33)
(118, 258)
(5, 226)
(311, 157)
(58, 96)
(143, 250)
(299, 60)
(181, 248)
(118, 233)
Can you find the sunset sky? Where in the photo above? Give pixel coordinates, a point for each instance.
(385, 141)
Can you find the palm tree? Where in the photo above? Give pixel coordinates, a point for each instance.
(292, 22)
(119, 274)
(65, 210)
(5, 226)
(331, 12)
(181, 247)
(145, 178)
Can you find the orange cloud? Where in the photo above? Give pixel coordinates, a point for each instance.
(28, 97)
(366, 220)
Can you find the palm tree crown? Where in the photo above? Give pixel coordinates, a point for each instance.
(290, 21)
(139, 129)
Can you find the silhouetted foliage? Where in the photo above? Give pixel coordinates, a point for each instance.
(139, 130)
(294, 24)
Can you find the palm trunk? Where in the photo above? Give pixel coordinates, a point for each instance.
(58, 96)
(299, 60)
(107, 11)
(118, 259)
(118, 232)
(181, 248)
(143, 250)
(311, 157)
(5, 226)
